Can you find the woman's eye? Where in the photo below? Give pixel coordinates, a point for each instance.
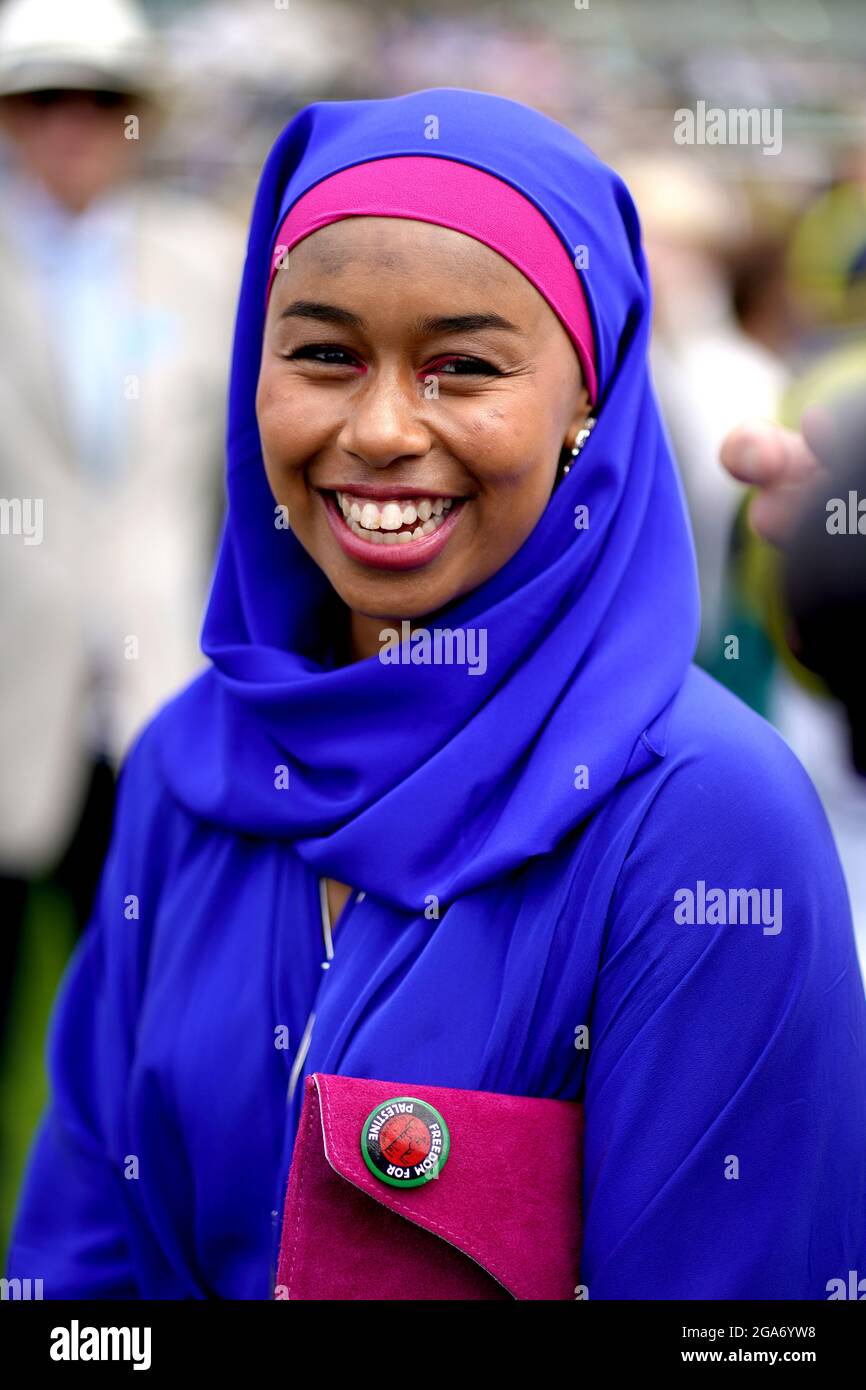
(332, 356)
(473, 366)
(314, 352)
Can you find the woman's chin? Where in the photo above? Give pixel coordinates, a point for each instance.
(390, 597)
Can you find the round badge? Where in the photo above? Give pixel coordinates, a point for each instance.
(405, 1142)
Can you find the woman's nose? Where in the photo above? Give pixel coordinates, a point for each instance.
(383, 423)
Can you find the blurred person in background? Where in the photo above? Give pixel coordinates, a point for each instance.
(116, 301)
(801, 484)
(797, 578)
(708, 370)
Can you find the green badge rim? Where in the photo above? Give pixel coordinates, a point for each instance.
(406, 1182)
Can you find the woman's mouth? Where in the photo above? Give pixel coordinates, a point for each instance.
(392, 532)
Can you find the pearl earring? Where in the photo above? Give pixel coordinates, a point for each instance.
(582, 436)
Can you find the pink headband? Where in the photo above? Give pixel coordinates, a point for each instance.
(429, 188)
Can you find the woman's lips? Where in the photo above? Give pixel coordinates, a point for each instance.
(408, 555)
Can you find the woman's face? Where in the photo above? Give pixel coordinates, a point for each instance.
(414, 394)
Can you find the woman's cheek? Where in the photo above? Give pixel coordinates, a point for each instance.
(280, 423)
(498, 452)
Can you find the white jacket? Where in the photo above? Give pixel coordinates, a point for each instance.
(131, 559)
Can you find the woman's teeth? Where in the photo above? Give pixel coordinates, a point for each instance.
(394, 522)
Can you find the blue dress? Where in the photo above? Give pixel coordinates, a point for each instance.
(724, 1081)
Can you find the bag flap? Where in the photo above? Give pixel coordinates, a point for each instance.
(508, 1195)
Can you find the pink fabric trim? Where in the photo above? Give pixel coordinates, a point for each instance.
(429, 188)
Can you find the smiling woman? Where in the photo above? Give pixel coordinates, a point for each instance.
(418, 348)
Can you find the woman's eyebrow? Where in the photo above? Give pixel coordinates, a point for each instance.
(324, 313)
(450, 323)
(464, 323)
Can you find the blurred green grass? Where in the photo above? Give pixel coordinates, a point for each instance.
(47, 941)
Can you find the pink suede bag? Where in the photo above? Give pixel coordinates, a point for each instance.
(501, 1220)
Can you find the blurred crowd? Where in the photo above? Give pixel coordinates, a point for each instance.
(131, 140)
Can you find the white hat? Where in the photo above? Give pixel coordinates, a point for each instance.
(81, 44)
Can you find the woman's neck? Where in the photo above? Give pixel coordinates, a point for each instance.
(359, 637)
(364, 637)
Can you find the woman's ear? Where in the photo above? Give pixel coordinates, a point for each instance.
(581, 413)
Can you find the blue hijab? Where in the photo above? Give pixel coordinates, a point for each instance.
(589, 631)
